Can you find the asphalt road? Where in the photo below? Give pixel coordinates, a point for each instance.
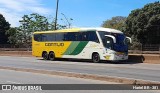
(15, 77)
(136, 71)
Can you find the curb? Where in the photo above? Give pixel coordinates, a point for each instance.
(84, 76)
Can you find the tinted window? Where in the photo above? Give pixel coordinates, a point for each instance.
(69, 36)
(59, 36)
(84, 36)
(120, 38)
(102, 35)
(92, 36)
(52, 37)
(48, 37)
(89, 36)
(37, 37)
(44, 37)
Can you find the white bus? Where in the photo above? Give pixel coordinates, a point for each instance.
(82, 43)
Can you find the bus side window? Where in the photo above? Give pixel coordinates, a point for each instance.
(37, 37)
(79, 36)
(70, 36)
(44, 37)
(59, 36)
(92, 36)
(65, 37)
(52, 37)
(84, 36)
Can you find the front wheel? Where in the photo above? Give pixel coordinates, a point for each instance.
(95, 58)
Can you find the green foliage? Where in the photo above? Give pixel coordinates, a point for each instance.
(4, 26)
(12, 32)
(29, 24)
(144, 24)
(115, 23)
(22, 35)
(18, 37)
(34, 22)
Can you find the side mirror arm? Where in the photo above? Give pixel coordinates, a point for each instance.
(114, 39)
(130, 40)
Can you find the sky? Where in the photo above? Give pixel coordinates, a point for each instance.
(85, 13)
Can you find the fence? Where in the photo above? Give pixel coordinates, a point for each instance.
(150, 47)
(146, 49)
(10, 47)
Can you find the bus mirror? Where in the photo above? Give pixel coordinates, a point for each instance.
(130, 40)
(110, 36)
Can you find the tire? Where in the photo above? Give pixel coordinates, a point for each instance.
(51, 56)
(45, 56)
(96, 58)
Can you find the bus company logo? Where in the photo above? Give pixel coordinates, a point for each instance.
(54, 44)
(6, 87)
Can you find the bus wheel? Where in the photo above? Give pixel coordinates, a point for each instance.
(45, 55)
(95, 57)
(52, 56)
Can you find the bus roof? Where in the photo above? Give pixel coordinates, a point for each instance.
(81, 29)
(102, 29)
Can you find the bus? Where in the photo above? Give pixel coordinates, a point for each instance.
(95, 44)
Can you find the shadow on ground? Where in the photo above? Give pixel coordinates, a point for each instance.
(133, 59)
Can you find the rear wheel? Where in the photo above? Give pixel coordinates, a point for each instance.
(51, 56)
(45, 55)
(95, 58)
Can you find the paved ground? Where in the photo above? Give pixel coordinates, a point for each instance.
(128, 70)
(14, 77)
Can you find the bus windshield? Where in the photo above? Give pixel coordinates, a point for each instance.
(120, 38)
(119, 46)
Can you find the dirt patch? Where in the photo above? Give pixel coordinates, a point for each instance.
(16, 53)
(145, 58)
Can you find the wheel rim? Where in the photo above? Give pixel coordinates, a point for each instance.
(45, 56)
(51, 56)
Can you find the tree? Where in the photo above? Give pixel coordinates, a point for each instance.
(30, 23)
(12, 35)
(17, 37)
(143, 25)
(115, 23)
(4, 26)
(34, 22)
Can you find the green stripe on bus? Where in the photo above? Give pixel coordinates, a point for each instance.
(79, 48)
(71, 48)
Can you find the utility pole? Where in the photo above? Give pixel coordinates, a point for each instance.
(56, 14)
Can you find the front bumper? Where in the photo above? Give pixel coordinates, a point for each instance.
(115, 57)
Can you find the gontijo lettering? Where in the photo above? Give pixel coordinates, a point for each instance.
(54, 44)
